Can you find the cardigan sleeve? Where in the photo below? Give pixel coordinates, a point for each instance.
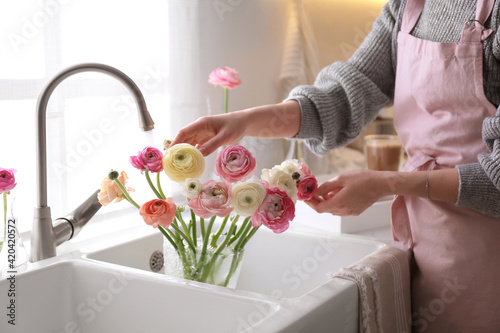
(347, 96)
(480, 182)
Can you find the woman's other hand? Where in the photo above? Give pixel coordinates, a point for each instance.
(350, 193)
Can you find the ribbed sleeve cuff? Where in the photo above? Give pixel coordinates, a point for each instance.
(310, 124)
(476, 191)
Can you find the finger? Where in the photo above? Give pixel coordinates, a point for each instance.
(332, 186)
(321, 206)
(197, 132)
(329, 195)
(212, 144)
(185, 135)
(315, 198)
(312, 203)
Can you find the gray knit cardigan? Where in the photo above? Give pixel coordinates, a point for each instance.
(346, 96)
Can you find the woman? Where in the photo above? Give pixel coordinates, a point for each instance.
(438, 63)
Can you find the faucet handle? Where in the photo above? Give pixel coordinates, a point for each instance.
(67, 227)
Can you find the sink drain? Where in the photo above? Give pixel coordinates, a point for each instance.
(156, 261)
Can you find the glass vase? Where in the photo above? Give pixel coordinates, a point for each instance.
(13, 254)
(221, 269)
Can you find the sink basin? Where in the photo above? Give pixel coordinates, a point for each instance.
(289, 270)
(106, 284)
(88, 297)
(292, 263)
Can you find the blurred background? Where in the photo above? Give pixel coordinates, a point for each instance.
(168, 47)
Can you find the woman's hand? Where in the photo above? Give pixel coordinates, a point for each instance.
(211, 132)
(350, 193)
(268, 121)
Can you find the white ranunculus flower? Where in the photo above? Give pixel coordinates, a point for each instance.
(282, 180)
(183, 161)
(191, 187)
(291, 167)
(247, 197)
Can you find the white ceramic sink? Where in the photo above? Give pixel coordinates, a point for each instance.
(105, 284)
(289, 270)
(81, 296)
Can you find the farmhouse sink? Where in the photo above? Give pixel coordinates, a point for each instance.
(291, 271)
(106, 284)
(81, 296)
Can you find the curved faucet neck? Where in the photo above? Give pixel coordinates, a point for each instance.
(45, 235)
(145, 120)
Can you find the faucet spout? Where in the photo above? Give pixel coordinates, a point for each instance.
(45, 236)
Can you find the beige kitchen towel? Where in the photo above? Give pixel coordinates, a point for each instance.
(299, 63)
(383, 280)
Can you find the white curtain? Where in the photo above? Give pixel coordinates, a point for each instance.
(187, 80)
(168, 47)
(300, 63)
(91, 118)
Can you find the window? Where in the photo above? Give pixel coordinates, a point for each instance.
(91, 118)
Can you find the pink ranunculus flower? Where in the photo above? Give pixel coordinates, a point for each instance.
(214, 199)
(158, 212)
(7, 179)
(225, 77)
(235, 163)
(275, 212)
(149, 158)
(307, 187)
(305, 169)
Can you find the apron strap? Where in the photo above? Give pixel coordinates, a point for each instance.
(474, 30)
(484, 9)
(412, 11)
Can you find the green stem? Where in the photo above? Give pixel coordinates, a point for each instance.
(125, 193)
(295, 149)
(158, 195)
(193, 221)
(173, 235)
(159, 185)
(243, 235)
(226, 99)
(240, 231)
(250, 235)
(184, 225)
(202, 227)
(183, 235)
(237, 255)
(208, 267)
(205, 245)
(215, 238)
(181, 252)
(167, 236)
(207, 235)
(225, 243)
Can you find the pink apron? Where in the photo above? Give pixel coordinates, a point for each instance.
(439, 109)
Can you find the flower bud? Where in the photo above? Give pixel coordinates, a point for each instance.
(166, 144)
(113, 175)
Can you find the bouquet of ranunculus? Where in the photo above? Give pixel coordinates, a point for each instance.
(237, 195)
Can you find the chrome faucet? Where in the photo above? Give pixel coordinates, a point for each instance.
(45, 235)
